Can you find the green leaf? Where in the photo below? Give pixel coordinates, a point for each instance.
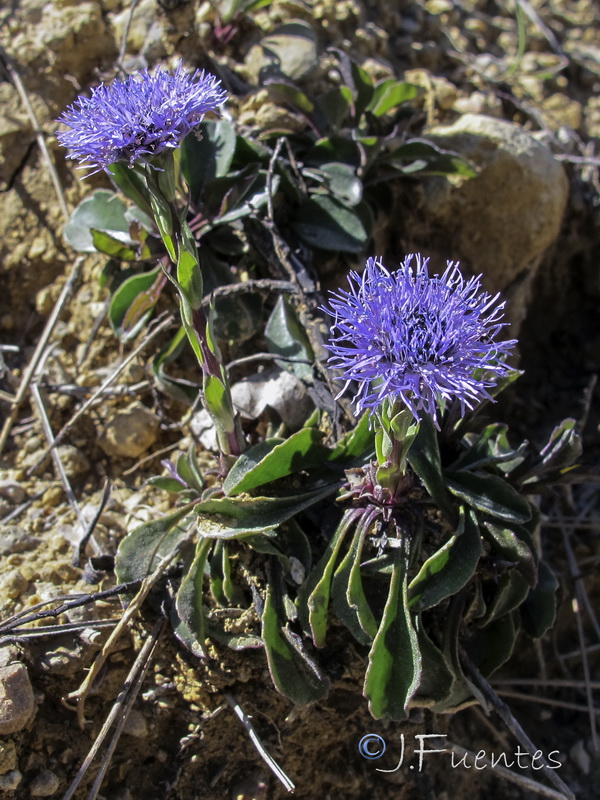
(313, 597)
(189, 623)
(340, 179)
(390, 93)
(355, 443)
(248, 151)
(424, 458)
(333, 148)
(510, 591)
(180, 389)
(462, 690)
(230, 10)
(363, 89)
(275, 458)
(207, 156)
(287, 337)
(294, 673)
(189, 470)
(290, 545)
(161, 211)
(437, 678)
(320, 221)
(450, 568)
(133, 185)
(513, 543)
(394, 670)
(103, 211)
(562, 450)
(492, 646)
(189, 277)
(132, 303)
(223, 589)
(116, 248)
(234, 517)
(423, 156)
(217, 397)
(228, 192)
(234, 641)
(291, 96)
(490, 448)
(255, 196)
(490, 494)
(167, 484)
(538, 612)
(347, 592)
(334, 106)
(142, 550)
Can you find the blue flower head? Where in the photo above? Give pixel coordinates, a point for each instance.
(140, 117)
(406, 336)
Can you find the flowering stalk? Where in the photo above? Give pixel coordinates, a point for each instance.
(413, 342)
(142, 121)
(182, 249)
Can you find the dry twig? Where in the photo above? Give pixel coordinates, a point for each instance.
(39, 134)
(122, 707)
(38, 354)
(159, 326)
(513, 777)
(513, 725)
(80, 694)
(269, 760)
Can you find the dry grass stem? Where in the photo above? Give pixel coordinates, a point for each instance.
(524, 782)
(39, 134)
(122, 707)
(39, 353)
(269, 760)
(80, 694)
(159, 326)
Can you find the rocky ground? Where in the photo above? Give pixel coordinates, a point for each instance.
(512, 87)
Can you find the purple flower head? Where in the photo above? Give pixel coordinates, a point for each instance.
(140, 117)
(418, 339)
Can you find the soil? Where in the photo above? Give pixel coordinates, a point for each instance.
(539, 67)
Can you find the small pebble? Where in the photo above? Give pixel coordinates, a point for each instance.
(52, 496)
(73, 460)
(13, 540)
(8, 653)
(136, 725)
(13, 584)
(10, 781)
(17, 703)
(130, 432)
(44, 785)
(8, 756)
(12, 491)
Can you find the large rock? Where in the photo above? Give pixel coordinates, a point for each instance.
(502, 221)
(17, 704)
(289, 52)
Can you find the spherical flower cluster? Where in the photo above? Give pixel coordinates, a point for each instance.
(405, 336)
(140, 117)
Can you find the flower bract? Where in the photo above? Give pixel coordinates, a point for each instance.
(418, 339)
(139, 117)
